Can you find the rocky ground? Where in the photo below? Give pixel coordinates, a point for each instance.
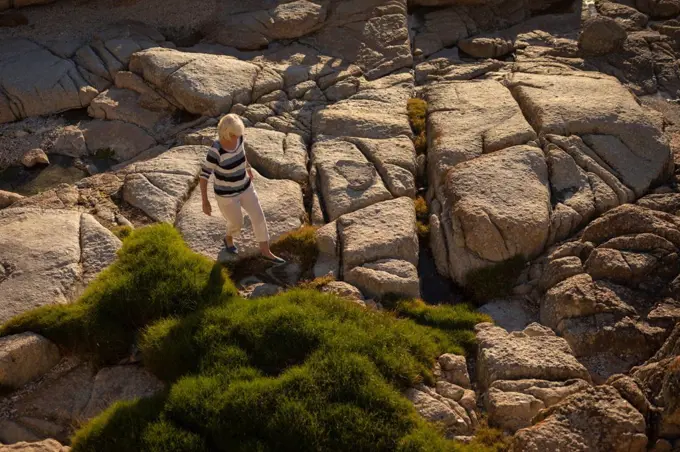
(552, 131)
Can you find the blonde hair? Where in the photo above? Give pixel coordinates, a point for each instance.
(230, 124)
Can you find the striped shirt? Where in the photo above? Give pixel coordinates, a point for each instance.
(229, 167)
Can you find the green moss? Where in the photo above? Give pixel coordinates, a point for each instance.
(417, 114)
(317, 283)
(122, 232)
(156, 275)
(495, 281)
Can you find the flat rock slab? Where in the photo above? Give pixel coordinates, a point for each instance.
(160, 186)
(596, 419)
(535, 353)
(510, 314)
(605, 114)
(47, 256)
(468, 119)
(277, 155)
(34, 81)
(283, 207)
(49, 445)
(202, 84)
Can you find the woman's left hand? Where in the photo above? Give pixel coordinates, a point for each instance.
(250, 173)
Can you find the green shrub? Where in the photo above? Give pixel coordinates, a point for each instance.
(417, 114)
(298, 371)
(495, 281)
(155, 276)
(299, 246)
(122, 232)
(317, 283)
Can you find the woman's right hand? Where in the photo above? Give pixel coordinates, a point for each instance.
(206, 207)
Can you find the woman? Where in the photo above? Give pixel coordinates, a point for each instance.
(233, 186)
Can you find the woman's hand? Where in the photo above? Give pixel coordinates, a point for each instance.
(206, 207)
(250, 172)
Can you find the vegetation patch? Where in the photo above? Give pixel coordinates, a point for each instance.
(302, 370)
(156, 275)
(122, 232)
(417, 115)
(422, 220)
(495, 281)
(317, 283)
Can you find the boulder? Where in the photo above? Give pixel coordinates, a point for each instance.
(344, 290)
(283, 207)
(535, 353)
(601, 35)
(202, 84)
(35, 157)
(24, 357)
(453, 369)
(124, 105)
(40, 270)
(595, 419)
(499, 207)
(440, 410)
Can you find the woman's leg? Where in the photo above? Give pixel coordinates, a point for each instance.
(251, 204)
(231, 211)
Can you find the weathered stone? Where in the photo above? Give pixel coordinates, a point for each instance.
(512, 315)
(596, 419)
(533, 353)
(438, 411)
(7, 198)
(24, 357)
(49, 445)
(344, 290)
(601, 35)
(277, 155)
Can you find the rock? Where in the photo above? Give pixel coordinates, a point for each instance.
(277, 155)
(601, 35)
(283, 207)
(454, 370)
(513, 404)
(630, 390)
(628, 17)
(500, 208)
(511, 315)
(486, 47)
(123, 140)
(35, 157)
(344, 290)
(39, 82)
(535, 353)
(71, 395)
(7, 198)
(160, 186)
(41, 270)
(124, 106)
(119, 383)
(202, 84)
(260, 290)
(439, 411)
(382, 231)
(24, 357)
(49, 445)
(659, 9)
(386, 276)
(632, 148)
(595, 419)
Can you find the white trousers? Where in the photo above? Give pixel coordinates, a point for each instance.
(231, 211)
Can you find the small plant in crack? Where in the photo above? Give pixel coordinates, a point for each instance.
(417, 115)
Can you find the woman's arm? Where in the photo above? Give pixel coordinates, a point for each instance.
(211, 160)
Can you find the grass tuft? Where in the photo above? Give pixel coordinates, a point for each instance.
(417, 114)
(122, 232)
(299, 246)
(495, 281)
(422, 220)
(317, 283)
